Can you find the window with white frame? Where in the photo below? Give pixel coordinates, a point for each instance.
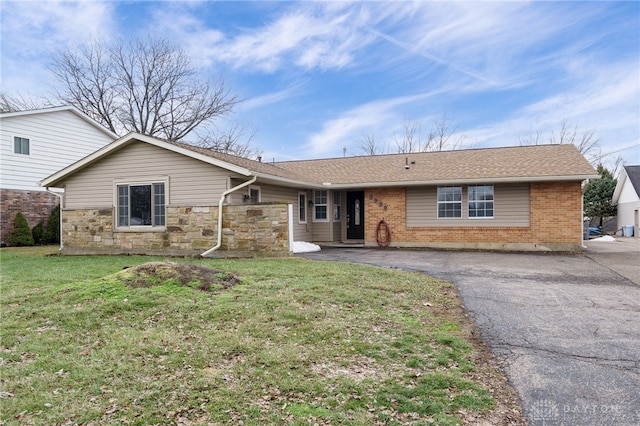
(480, 201)
(320, 207)
(336, 206)
(449, 202)
(255, 195)
(20, 145)
(302, 207)
(141, 204)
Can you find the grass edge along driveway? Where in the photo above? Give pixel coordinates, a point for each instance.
(103, 340)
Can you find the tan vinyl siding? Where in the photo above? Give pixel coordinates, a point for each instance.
(511, 207)
(322, 231)
(191, 182)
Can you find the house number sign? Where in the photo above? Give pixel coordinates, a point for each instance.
(378, 202)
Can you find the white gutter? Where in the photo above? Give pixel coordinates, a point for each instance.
(400, 183)
(220, 203)
(57, 194)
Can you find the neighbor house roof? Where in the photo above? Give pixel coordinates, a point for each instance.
(69, 108)
(632, 173)
(523, 163)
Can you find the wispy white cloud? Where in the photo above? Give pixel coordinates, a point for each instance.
(308, 36)
(604, 100)
(269, 99)
(380, 117)
(31, 31)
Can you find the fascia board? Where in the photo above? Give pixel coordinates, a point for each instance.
(289, 182)
(195, 155)
(618, 190)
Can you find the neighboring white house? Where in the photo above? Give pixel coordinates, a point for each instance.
(627, 197)
(34, 144)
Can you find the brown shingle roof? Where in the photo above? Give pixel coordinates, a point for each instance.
(497, 164)
(523, 163)
(272, 169)
(517, 163)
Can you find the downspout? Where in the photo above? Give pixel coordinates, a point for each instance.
(60, 197)
(220, 203)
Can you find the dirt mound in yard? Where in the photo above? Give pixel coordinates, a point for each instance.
(186, 274)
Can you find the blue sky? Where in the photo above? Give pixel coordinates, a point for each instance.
(318, 77)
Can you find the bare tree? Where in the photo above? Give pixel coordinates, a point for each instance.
(9, 103)
(369, 146)
(236, 140)
(412, 138)
(442, 136)
(587, 142)
(145, 85)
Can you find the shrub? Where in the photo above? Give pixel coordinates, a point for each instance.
(52, 234)
(21, 233)
(38, 232)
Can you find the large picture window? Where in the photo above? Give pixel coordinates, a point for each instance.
(449, 202)
(480, 201)
(141, 205)
(320, 205)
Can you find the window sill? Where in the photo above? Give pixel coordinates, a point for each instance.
(140, 229)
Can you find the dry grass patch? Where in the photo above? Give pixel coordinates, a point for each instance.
(251, 342)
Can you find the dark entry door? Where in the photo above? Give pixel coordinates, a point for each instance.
(355, 215)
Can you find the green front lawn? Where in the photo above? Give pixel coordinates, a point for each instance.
(286, 341)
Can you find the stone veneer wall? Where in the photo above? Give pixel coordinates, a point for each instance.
(555, 223)
(260, 229)
(34, 205)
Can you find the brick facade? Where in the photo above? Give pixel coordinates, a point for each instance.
(256, 229)
(34, 205)
(555, 222)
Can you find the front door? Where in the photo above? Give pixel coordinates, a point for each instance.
(355, 215)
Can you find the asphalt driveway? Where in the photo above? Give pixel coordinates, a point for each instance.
(566, 327)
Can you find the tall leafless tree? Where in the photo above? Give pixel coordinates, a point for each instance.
(412, 138)
(587, 142)
(442, 136)
(144, 85)
(369, 146)
(13, 103)
(235, 140)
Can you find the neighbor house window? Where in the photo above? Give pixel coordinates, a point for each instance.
(480, 201)
(302, 207)
(141, 205)
(449, 202)
(320, 205)
(336, 206)
(20, 145)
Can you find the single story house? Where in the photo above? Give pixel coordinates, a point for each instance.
(140, 194)
(627, 197)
